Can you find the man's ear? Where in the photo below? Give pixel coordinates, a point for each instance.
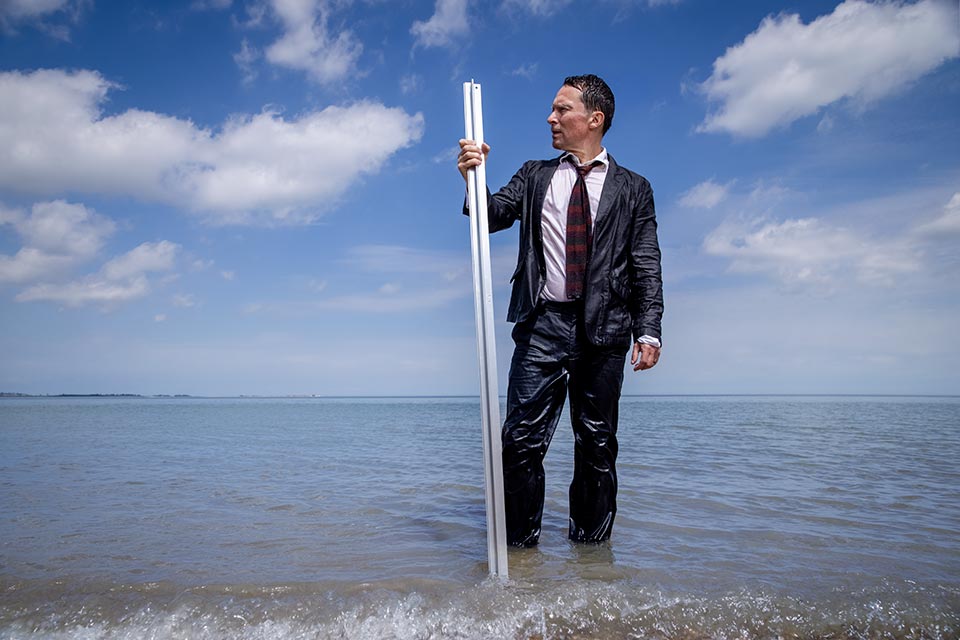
(596, 120)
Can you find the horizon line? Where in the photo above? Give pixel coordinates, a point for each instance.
(6, 394)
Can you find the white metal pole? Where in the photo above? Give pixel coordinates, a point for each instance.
(486, 340)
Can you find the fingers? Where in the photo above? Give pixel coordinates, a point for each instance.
(471, 156)
(649, 356)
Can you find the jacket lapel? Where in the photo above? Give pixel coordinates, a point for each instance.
(541, 181)
(611, 187)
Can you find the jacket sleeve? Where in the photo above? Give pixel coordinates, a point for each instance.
(506, 205)
(647, 283)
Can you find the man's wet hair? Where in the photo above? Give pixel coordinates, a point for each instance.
(597, 96)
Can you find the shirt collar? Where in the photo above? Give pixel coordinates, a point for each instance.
(601, 158)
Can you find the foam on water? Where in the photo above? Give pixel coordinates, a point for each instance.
(490, 609)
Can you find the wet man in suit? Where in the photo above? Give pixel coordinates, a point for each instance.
(587, 289)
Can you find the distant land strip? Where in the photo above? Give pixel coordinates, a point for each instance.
(10, 394)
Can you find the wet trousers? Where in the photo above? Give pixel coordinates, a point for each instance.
(553, 357)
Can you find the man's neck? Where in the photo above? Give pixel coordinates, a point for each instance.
(588, 153)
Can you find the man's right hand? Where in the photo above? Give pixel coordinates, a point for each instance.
(471, 156)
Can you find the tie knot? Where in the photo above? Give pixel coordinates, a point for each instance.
(583, 169)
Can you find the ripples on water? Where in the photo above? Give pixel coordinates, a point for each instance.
(738, 517)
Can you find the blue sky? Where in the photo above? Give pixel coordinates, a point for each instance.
(260, 196)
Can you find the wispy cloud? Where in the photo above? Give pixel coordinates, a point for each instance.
(448, 23)
(245, 59)
(863, 51)
(946, 224)
(547, 8)
(410, 83)
(257, 169)
(541, 8)
(400, 259)
(184, 300)
(418, 279)
(121, 279)
(52, 16)
(210, 5)
(705, 195)
(56, 236)
(149, 256)
(308, 44)
(525, 70)
(390, 298)
(807, 252)
(823, 253)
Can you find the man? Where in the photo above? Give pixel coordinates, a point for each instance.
(586, 286)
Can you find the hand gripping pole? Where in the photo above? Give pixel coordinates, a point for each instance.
(486, 340)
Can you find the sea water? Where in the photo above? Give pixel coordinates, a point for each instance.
(739, 517)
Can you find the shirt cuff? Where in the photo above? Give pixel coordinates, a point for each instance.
(649, 340)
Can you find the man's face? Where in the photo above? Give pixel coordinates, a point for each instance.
(570, 121)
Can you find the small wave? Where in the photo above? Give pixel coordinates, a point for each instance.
(490, 610)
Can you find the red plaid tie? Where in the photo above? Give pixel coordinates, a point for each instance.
(578, 232)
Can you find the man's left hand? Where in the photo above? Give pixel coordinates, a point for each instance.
(645, 356)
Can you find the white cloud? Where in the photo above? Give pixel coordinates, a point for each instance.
(863, 51)
(21, 9)
(262, 169)
(160, 317)
(30, 264)
(826, 124)
(389, 288)
(245, 59)
(256, 14)
(149, 256)
(307, 43)
(448, 23)
(212, 5)
(120, 280)
(541, 8)
(810, 252)
(410, 83)
(398, 259)
(383, 301)
(201, 265)
(64, 228)
(184, 300)
(705, 195)
(428, 279)
(56, 235)
(37, 12)
(946, 224)
(904, 239)
(89, 290)
(228, 275)
(272, 163)
(447, 155)
(57, 139)
(525, 70)
(547, 8)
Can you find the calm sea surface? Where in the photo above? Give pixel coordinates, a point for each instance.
(739, 517)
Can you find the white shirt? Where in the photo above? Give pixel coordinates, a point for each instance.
(554, 223)
(554, 219)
